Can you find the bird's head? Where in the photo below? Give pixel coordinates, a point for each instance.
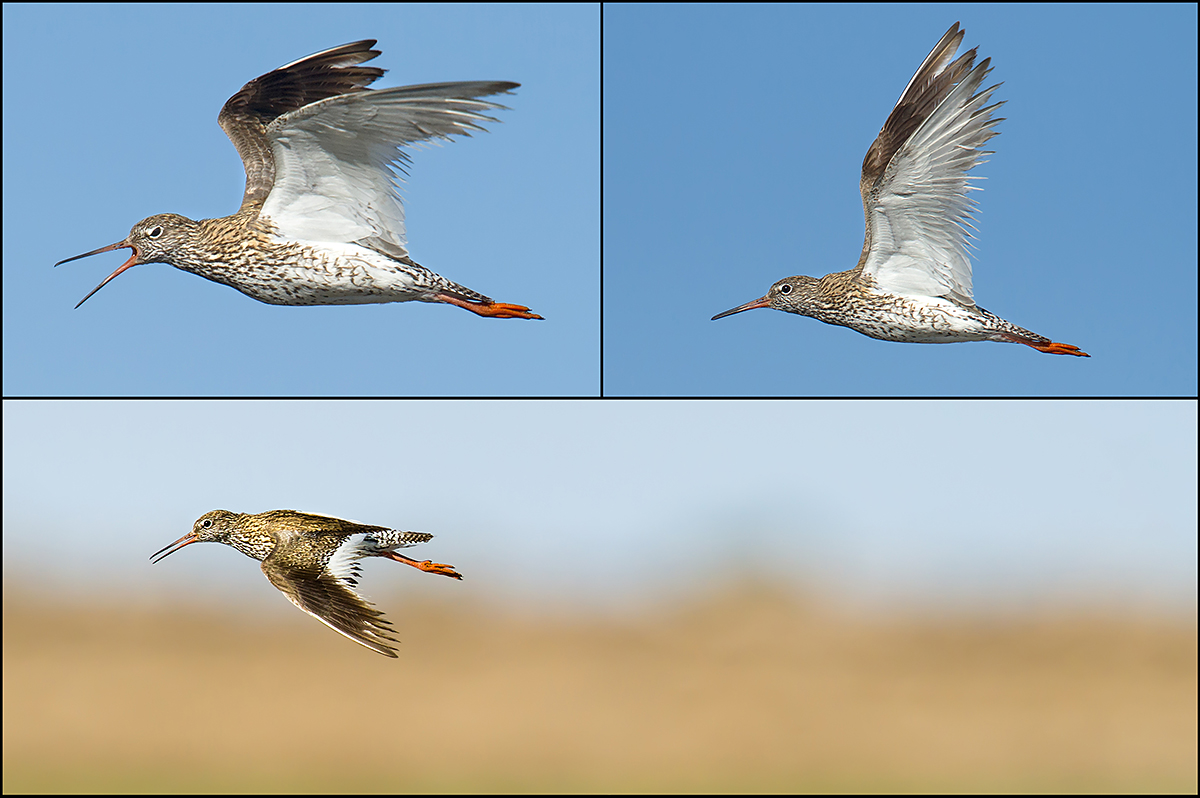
(212, 527)
(792, 294)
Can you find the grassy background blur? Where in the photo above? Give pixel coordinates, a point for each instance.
(746, 689)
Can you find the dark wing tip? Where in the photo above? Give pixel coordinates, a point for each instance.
(292, 86)
(929, 86)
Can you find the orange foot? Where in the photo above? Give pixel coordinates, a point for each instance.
(1053, 348)
(426, 565)
(495, 310)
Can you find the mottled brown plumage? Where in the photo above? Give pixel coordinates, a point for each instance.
(314, 561)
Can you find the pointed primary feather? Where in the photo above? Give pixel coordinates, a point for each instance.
(328, 595)
(336, 160)
(916, 204)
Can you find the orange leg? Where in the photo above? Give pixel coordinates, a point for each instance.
(495, 310)
(1053, 348)
(1049, 347)
(425, 565)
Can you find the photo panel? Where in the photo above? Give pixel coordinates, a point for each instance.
(505, 209)
(655, 596)
(734, 143)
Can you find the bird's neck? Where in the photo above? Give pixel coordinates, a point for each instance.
(254, 543)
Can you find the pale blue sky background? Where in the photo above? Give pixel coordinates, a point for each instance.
(569, 504)
(733, 140)
(110, 116)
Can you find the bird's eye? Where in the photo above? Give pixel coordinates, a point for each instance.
(155, 231)
(785, 289)
(206, 523)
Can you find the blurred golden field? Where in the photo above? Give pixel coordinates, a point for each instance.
(747, 690)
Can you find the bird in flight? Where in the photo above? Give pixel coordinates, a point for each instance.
(321, 221)
(314, 561)
(912, 283)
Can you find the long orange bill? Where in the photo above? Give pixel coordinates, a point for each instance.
(761, 302)
(111, 247)
(177, 545)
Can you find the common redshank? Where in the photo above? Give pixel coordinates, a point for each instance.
(313, 559)
(913, 280)
(321, 221)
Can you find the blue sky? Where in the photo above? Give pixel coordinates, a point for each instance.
(719, 123)
(948, 504)
(110, 115)
(733, 139)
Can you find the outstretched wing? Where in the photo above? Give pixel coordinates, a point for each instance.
(915, 178)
